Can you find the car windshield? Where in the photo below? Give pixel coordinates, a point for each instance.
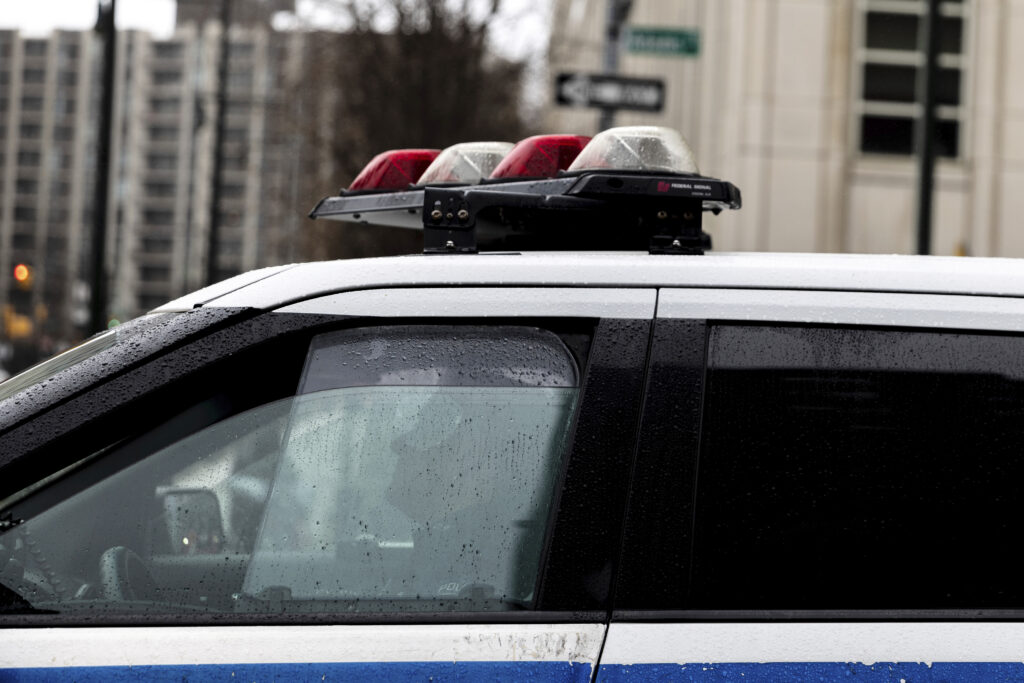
(78, 355)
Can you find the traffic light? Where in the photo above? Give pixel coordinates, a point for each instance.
(23, 277)
(18, 314)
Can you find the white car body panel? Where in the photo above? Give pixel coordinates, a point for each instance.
(845, 308)
(485, 302)
(814, 651)
(207, 652)
(839, 272)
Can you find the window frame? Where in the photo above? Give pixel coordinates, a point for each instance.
(584, 530)
(862, 55)
(679, 354)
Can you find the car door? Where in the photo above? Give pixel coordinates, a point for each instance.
(435, 486)
(827, 486)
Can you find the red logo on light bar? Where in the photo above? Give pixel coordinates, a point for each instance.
(663, 186)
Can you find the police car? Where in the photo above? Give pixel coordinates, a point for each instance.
(626, 457)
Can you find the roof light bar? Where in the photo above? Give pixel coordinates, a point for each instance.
(466, 163)
(637, 148)
(653, 200)
(396, 169)
(540, 156)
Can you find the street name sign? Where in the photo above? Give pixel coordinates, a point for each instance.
(672, 42)
(610, 91)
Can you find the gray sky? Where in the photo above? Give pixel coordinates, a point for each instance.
(521, 33)
(39, 17)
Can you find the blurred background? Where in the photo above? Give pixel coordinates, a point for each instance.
(136, 169)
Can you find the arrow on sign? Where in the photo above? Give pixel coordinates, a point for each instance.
(610, 92)
(574, 90)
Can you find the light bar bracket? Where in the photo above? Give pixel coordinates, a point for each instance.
(594, 210)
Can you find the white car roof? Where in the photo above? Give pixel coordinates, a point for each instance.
(272, 288)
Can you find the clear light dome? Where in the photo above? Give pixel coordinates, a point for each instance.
(468, 162)
(637, 148)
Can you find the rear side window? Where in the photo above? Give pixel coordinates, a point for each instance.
(434, 489)
(860, 469)
(414, 470)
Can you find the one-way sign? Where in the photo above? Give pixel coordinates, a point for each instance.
(610, 92)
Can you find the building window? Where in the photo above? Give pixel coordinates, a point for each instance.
(164, 105)
(168, 50)
(162, 161)
(240, 79)
(160, 189)
(35, 48)
(28, 157)
(889, 60)
(236, 162)
(232, 191)
(154, 274)
(163, 133)
(23, 241)
(241, 51)
(24, 213)
(64, 106)
(33, 75)
(236, 135)
(166, 77)
(69, 51)
(158, 217)
(157, 245)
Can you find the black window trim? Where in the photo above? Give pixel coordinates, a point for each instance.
(679, 348)
(587, 514)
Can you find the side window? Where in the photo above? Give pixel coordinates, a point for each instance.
(413, 470)
(860, 469)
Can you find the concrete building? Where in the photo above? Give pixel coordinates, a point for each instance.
(808, 106)
(162, 166)
(165, 114)
(47, 109)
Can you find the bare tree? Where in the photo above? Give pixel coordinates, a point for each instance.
(408, 73)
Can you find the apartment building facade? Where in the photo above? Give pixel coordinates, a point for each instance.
(162, 166)
(48, 103)
(809, 107)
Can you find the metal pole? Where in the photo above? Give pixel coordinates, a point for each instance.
(615, 17)
(925, 133)
(213, 245)
(98, 298)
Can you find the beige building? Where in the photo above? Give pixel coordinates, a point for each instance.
(808, 106)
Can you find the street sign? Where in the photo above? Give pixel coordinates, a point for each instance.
(674, 42)
(610, 92)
